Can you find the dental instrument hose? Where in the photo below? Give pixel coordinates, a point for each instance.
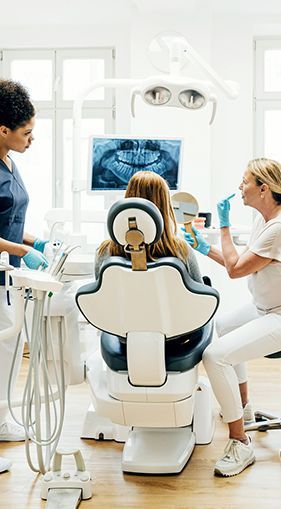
(39, 380)
(40, 393)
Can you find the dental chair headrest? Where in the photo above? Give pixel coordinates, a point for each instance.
(147, 217)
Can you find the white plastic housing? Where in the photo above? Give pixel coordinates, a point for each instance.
(174, 317)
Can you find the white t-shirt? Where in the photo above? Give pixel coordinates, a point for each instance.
(265, 285)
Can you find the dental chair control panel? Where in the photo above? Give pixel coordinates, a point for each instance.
(155, 322)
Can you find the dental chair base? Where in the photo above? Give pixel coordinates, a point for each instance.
(158, 451)
(186, 408)
(97, 427)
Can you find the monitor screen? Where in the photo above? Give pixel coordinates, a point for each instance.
(114, 160)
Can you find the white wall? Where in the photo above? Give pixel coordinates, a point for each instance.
(215, 156)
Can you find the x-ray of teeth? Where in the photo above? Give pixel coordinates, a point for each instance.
(115, 160)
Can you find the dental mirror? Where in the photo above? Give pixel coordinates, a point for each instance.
(186, 209)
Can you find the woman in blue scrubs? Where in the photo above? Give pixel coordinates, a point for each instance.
(17, 116)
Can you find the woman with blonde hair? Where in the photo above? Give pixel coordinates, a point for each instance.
(254, 330)
(151, 186)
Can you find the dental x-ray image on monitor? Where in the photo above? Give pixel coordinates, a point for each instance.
(114, 160)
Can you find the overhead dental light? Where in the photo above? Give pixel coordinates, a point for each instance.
(170, 52)
(175, 91)
(191, 99)
(157, 95)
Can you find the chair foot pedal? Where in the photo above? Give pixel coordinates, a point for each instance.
(64, 498)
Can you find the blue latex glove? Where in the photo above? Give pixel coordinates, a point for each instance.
(40, 244)
(34, 259)
(223, 208)
(203, 246)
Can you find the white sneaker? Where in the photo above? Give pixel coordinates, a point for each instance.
(4, 465)
(237, 456)
(11, 432)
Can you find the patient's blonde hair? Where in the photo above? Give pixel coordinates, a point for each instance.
(267, 171)
(149, 185)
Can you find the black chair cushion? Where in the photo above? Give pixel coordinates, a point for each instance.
(181, 353)
(275, 355)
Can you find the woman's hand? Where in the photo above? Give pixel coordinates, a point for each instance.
(203, 246)
(223, 208)
(40, 244)
(34, 259)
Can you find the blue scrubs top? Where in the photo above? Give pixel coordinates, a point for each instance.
(13, 204)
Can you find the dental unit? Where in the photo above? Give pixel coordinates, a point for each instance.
(49, 372)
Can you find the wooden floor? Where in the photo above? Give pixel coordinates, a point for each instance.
(195, 488)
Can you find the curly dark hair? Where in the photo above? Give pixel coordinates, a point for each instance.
(16, 108)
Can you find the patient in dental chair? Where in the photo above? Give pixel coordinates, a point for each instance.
(151, 186)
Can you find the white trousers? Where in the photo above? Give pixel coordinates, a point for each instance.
(7, 348)
(244, 334)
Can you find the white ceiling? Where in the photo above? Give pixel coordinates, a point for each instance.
(231, 6)
(91, 12)
(66, 12)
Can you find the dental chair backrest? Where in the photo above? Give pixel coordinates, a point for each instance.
(136, 297)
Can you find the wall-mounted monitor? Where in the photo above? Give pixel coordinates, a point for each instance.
(113, 160)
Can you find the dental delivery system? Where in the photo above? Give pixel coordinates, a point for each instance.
(43, 400)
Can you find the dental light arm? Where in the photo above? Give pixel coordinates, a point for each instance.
(230, 88)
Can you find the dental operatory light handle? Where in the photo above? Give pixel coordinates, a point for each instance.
(188, 229)
(213, 99)
(133, 101)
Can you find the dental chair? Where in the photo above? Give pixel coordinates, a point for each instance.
(155, 322)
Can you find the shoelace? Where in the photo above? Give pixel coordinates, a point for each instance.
(231, 451)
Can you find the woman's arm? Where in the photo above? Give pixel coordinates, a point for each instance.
(216, 255)
(203, 246)
(28, 239)
(212, 252)
(13, 248)
(237, 265)
(243, 264)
